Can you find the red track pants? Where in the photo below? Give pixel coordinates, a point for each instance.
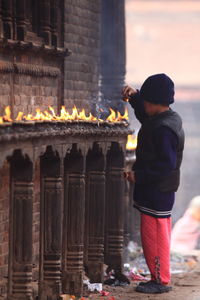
(155, 236)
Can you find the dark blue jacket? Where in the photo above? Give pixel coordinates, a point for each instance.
(156, 160)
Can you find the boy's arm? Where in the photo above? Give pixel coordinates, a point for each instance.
(132, 96)
(166, 143)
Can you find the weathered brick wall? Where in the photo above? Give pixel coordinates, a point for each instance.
(5, 91)
(28, 82)
(81, 36)
(4, 226)
(31, 92)
(25, 90)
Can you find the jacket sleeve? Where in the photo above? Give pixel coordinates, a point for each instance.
(166, 143)
(138, 106)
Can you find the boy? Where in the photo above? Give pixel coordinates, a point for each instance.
(156, 173)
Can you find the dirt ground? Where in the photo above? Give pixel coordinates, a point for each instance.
(186, 286)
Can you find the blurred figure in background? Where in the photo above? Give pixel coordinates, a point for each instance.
(186, 231)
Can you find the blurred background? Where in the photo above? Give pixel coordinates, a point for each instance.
(164, 37)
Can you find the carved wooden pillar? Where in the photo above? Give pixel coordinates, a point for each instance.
(54, 25)
(51, 226)
(127, 208)
(20, 270)
(114, 208)
(95, 212)
(45, 22)
(21, 20)
(33, 15)
(73, 230)
(7, 19)
(132, 216)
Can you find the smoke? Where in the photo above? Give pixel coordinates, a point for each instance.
(100, 106)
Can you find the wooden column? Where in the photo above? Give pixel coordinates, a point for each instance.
(1, 20)
(21, 19)
(132, 221)
(95, 212)
(51, 226)
(20, 269)
(7, 19)
(114, 229)
(54, 22)
(45, 21)
(73, 230)
(127, 207)
(33, 16)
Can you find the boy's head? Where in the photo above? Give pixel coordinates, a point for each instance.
(152, 109)
(157, 92)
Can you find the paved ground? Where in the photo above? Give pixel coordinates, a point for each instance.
(185, 287)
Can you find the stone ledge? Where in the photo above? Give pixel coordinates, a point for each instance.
(37, 130)
(15, 45)
(29, 69)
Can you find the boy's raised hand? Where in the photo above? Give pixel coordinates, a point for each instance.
(128, 91)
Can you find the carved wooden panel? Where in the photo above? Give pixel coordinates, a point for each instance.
(73, 221)
(114, 229)
(114, 218)
(95, 225)
(7, 9)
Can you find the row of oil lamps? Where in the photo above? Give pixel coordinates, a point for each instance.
(50, 115)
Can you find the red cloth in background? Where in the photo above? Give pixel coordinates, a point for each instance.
(155, 236)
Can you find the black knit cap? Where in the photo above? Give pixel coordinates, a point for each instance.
(158, 89)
